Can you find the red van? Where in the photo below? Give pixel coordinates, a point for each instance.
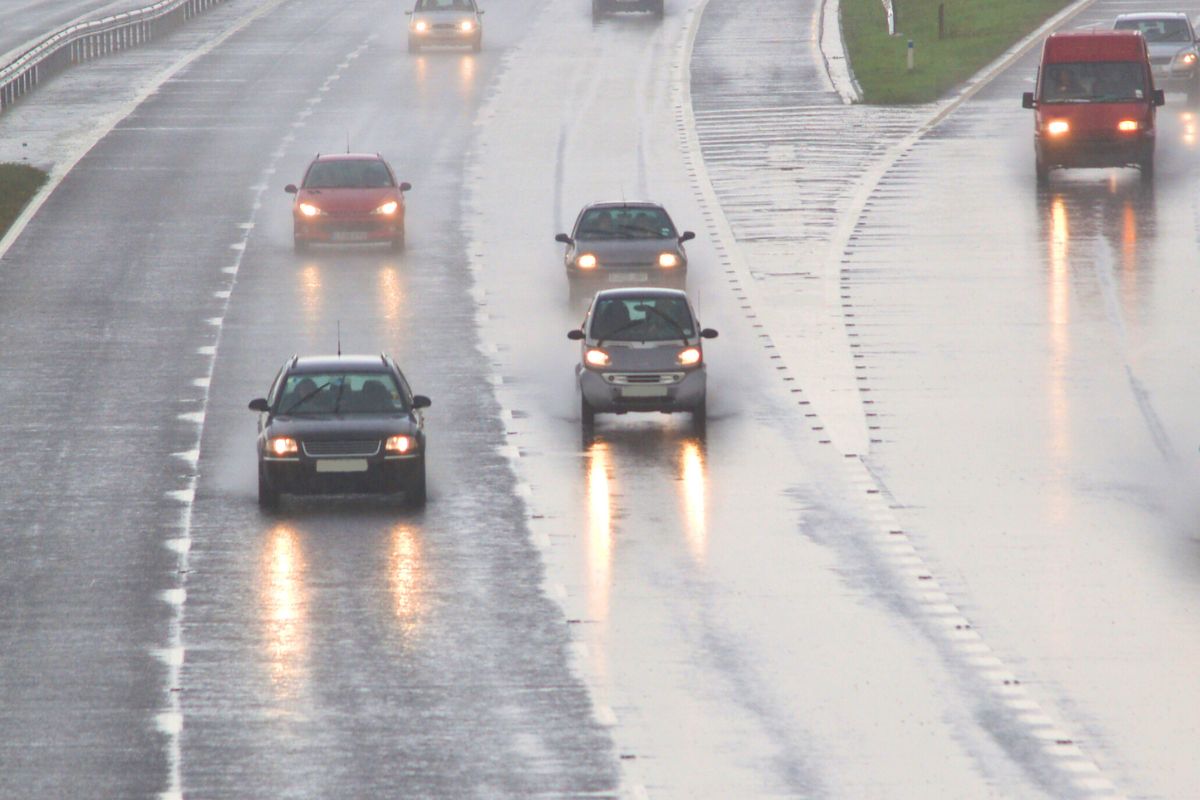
(1095, 102)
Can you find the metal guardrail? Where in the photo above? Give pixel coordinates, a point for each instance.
(85, 41)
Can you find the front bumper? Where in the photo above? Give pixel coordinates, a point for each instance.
(379, 475)
(1176, 80)
(613, 391)
(347, 229)
(1107, 151)
(446, 34)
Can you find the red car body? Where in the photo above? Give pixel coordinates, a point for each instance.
(348, 198)
(1095, 102)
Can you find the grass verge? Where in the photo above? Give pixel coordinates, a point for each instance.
(976, 32)
(18, 184)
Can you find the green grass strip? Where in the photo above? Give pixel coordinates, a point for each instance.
(18, 184)
(976, 33)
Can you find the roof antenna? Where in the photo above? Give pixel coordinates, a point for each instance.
(339, 331)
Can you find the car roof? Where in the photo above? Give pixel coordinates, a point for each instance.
(1154, 15)
(335, 363)
(624, 204)
(348, 157)
(635, 292)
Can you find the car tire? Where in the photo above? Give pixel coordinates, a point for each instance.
(268, 496)
(1193, 94)
(700, 418)
(398, 243)
(587, 414)
(299, 245)
(414, 490)
(1146, 165)
(413, 45)
(658, 10)
(477, 45)
(597, 10)
(1043, 172)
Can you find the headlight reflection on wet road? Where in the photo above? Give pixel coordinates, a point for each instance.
(599, 530)
(406, 575)
(693, 488)
(285, 605)
(391, 294)
(311, 293)
(1060, 337)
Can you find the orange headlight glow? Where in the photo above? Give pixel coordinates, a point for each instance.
(586, 261)
(597, 358)
(388, 208)
(281, 446)
(400, 444)
(668, 260)
(1058, 127)
(1128, 125)
(466, 26)
(689, 356)
(309, 210)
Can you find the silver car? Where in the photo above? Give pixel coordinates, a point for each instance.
(641, 351)
(445, 22)
(1174, 57)
(623, 243)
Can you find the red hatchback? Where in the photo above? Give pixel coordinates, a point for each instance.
(351, 197)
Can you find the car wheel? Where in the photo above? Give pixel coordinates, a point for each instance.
(477, 45)
(299, 245)
(414, 490)
(1043, 172)
(658, 9)
(413, 45)
(268, 496)
(597, 10)
(398, 243)
(587, 414)
(700, 417)
(1193, 95)
(1147, 166)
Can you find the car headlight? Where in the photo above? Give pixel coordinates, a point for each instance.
(1187, 58)
(387, 209)
(596, 358)
(587, 261)
(690, 356)
(668, 260)
(420, 26)
(1128, 125)
(466, 26)
(309, 210)
(282, 446)
(400, 444)
(1058, 127)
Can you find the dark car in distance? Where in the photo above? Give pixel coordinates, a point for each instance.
(623, 244)
(602, 8)
(340, 425)
(348, 198)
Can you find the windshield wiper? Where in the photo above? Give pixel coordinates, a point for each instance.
(632, 323)
(306, 398)
(661, 315)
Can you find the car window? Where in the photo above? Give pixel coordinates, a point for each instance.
(341, 393)
(1157, 30)
(625, 223)
(348, 175)
(641, 319)
(1094, 82)
(444, 5)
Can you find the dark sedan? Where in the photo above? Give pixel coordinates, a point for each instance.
(624, 244)
(340, 425)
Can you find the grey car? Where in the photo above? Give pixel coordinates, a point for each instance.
(624, 243)
(445, 22)
(1174, 57)
(641, 350)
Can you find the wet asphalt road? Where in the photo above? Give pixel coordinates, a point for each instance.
(649, 611)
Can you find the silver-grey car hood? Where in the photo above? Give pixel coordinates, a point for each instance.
(1168, 49)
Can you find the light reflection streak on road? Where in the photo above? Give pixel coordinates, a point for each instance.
(693, 487)
(599, 530)
(1060, 342)
(1189, 128)
(1129, 260)
(406, 576)
(466, 72)
(311, 294)
(391, 295)
(285, 602)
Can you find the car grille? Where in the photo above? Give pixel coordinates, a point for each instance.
(1160, 61)
(341, 448)
(444, 26)
(643, 378)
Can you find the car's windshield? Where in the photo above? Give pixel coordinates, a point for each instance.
(444, 5)
(349, 174)
(624, 222)
(1171, 29)
(641, 319)
(1094, 82)
(340, 393)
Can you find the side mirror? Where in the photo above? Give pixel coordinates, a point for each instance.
(686, 237)
(405, 186)
(1027, 100)
(421, 401)
(708, 333)
(259, 404)
(408, 13)
(575, 335)
(562, 237)
(291, 188)
(1160, 98)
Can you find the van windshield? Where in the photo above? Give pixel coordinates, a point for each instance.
(1094, 82)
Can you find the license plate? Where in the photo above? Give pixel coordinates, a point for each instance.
(643, 391)
(349, 236)
(628, 277)
(342, 465)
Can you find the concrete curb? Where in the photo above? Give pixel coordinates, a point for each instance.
(833, 53)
